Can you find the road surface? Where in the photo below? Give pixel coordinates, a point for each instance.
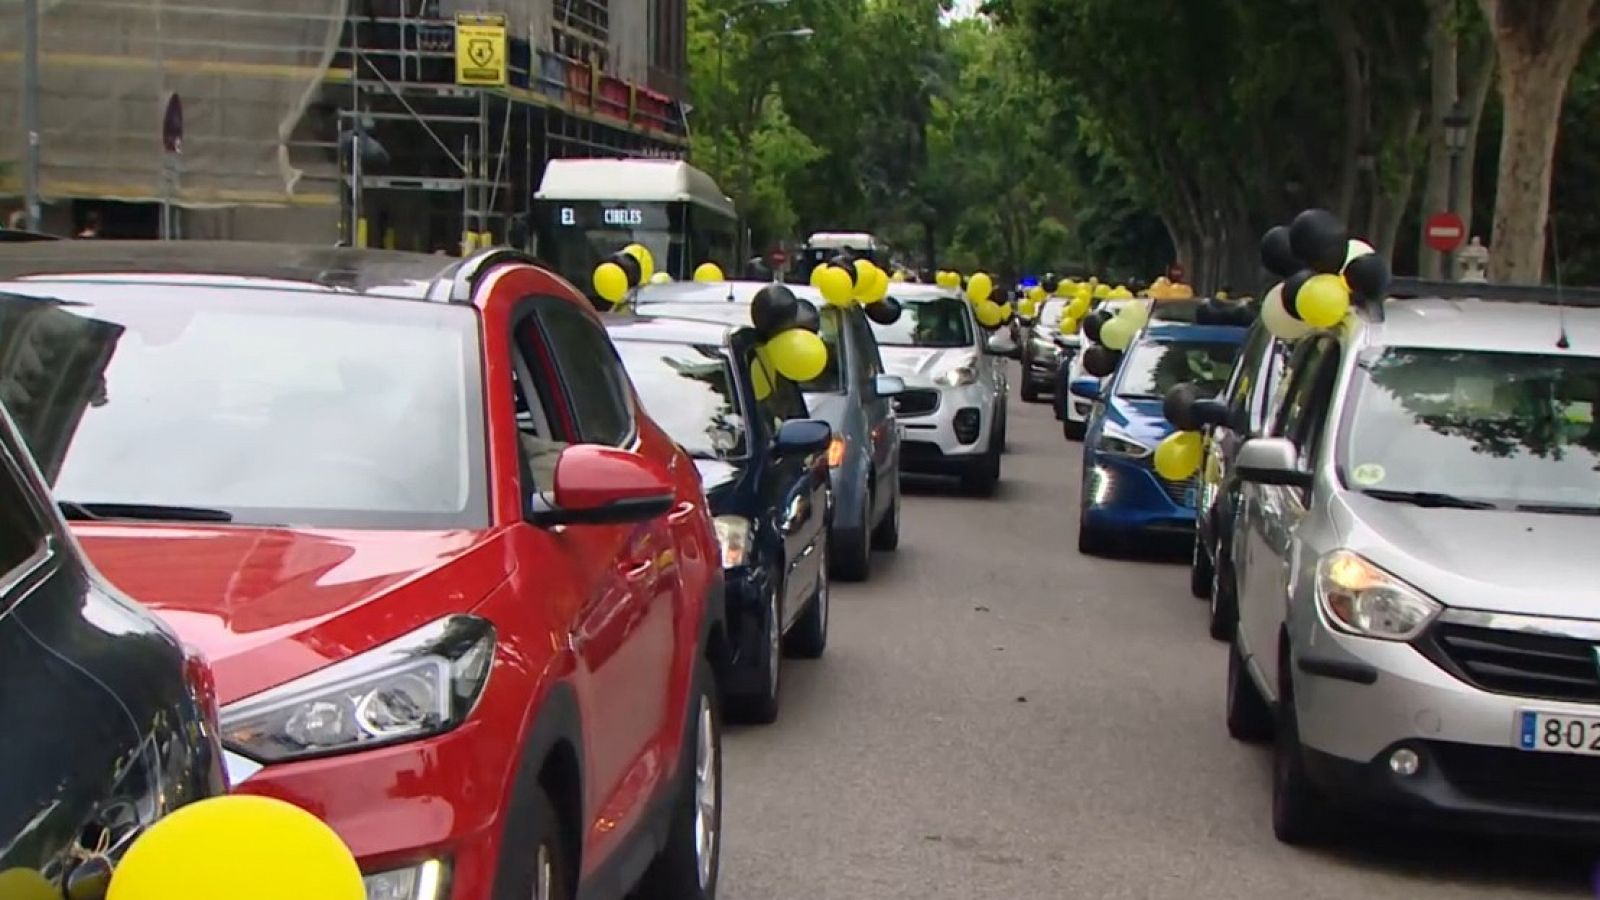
(1000, 717)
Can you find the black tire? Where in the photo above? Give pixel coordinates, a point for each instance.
(1030, 391)
(675, 872)
(1249, 717)
(1224, 616)
(1073, 431)
(853, 559)
(534, 823)
(1092, 541)
(1300, 815)
(1200, 570)
(982, 475)
(887, 535)
(809, 636)
(760, 706)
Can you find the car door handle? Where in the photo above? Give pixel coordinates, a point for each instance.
(681, 512)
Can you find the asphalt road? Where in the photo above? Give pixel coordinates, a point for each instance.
(1000, 717)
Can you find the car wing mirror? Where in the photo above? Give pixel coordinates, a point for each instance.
(802, 437)
(1001, 344)
(1210, 412)
(595, 485)
(1273, 461)
(1087, 388)
(888, 385)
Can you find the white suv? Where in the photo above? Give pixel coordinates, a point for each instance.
(952, 414)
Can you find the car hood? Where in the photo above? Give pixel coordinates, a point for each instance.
(830, 408)
(921, 364)
(1141, 419)
(267, 605)
(1501, 561)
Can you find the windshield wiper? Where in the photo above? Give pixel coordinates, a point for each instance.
(94, 512)
(1428, 499)
(1563, 509)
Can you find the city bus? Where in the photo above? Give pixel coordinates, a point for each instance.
(587, 209)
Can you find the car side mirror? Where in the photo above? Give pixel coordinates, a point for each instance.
(1087, 388)
(595, 485)
(1210, 412)
(1001, 344)
(889, 385)
(802, 437)
(1271, 461)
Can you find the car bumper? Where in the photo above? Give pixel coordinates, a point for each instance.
(1041, 369)
(1357, 701)
(748, 592)
(945, 437)
(1125, 497)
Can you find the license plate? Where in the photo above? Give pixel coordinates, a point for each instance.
(1558, 733)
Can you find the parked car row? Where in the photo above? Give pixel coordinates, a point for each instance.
(432, 549)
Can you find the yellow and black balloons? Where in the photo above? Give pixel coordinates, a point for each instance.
(979, 287)
(787, 327)
(647, 263)
(620, 273)
(798, 354)
(1178, 455)
(1323, 300)
(1275, 315)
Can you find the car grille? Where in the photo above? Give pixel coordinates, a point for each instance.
(1516, 662)
(1500, 775)
(1178, 491)
(917, 402)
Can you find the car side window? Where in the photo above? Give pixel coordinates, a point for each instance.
(587, 366)
(544, 428)
(1304, 410)
(1244, 373)
(871, 360)
(22, 533)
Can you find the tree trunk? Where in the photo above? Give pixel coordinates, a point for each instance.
(1539, 45)
(1477, 72)
(1444, 80)
(1353, 70)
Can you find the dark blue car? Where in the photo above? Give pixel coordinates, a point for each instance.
(1122, 495)
(763, 461)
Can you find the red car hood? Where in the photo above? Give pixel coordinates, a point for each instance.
(267, 605)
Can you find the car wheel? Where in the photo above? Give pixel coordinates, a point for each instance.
(535, 860)
(1200, 570)
(1073, 431)
(1299, 814)
(982, 475)
(686, 868)
(854, 559)
(809, 637)
(1249, 717)
(887, 535)
(760, 707)
(1224, 599)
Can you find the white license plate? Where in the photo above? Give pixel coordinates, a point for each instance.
(1558, 733)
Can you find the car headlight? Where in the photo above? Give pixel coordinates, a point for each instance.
(422, 684)
(959, 376)
(1362, 599)
(836, 449)
(1118, 445)
(733, 533)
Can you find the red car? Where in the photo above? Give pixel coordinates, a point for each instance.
(462, 598)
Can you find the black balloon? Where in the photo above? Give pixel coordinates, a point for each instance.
(807, 317)
(885, 311)
(630, 267)
(1291, 290)
(1368, 277)
(1100, 361)
(1092, 323)
(1277, 253)
(1178, 407)
(1319, 239)
(773, 310)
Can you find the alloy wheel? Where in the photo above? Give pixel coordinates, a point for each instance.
(706, 814)
(774, 641)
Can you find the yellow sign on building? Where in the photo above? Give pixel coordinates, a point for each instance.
(481, 50)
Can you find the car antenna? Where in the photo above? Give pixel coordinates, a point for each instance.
(1561, 307)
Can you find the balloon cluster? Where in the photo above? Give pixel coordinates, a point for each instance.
(788, 329)
(843, 281)
(1165, 289)
(1322, 269)
(1179, 454)
(623, 271)
(1109, 335)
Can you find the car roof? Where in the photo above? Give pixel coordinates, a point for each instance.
(912, 292)
(381, 273)
(1188, 331)
(668, 329)
(731, 293)
(1493, 325)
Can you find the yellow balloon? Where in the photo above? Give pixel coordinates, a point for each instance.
(816, 275)
(708, 271)
(1065, 287)
(864, 279)
(898, 276)
(26, 884)
(979, 287)
(1177, 457)
(1069, 324)
(1037, 293)
(1323, 300)
(647, 263)
(1101, 292)
(990, 314)
(760, 380)
(1029, 307)
(1078, 308)
(878, 285)
(610, 282)
(1136, 313)
(1118, 333)
(660, 278)
(241, 847)
(798, 354)
(835, 286)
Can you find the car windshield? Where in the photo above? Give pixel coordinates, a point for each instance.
(933, 322)
(1155, 367)
(255, 406)
(690, 391)
(1513, 429)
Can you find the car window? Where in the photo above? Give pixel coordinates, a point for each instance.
(871, 361)
(831, 381)
(784, 403)
(936, 322)
(22, 534)
(1244, 378)
(1153, 368)
(544, 426)
(690, 391)
(1305, 407)
(587, 366)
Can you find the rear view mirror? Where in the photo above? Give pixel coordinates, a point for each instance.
(1271, 461)
(889, 385)
(1210, 412)
(802, 437)
(1087, 388)
(1001, 344)
(595, 485)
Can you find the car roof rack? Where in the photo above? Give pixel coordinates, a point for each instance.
(1418, 289)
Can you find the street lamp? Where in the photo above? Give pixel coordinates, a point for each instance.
(1457, 123)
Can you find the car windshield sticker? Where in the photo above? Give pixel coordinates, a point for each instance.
(1368, 474)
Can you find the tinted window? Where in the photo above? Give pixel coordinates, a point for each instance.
(690, 391)
(928, 323)
(1305, 406)
(831, 381)
(872, 363)
(1245, 373)
(588, 366)
(785, 402)
(276, 407)
(21, 533)
(1153, 368)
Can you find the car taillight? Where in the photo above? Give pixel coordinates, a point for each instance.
(835, 452)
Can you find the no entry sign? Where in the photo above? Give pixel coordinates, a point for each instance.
(1445, 232)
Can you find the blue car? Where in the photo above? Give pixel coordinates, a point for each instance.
(1122, 495)
(763, 461)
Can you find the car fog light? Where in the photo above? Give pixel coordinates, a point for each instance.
(1405, 762)
(424, 881)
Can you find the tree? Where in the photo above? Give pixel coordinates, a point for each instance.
(1461, 70)
(1539, 45)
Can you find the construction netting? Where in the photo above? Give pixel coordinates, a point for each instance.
(244, 71)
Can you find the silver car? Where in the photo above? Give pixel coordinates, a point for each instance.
(1418, 619)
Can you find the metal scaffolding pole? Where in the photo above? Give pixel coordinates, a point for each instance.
(30, 110)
